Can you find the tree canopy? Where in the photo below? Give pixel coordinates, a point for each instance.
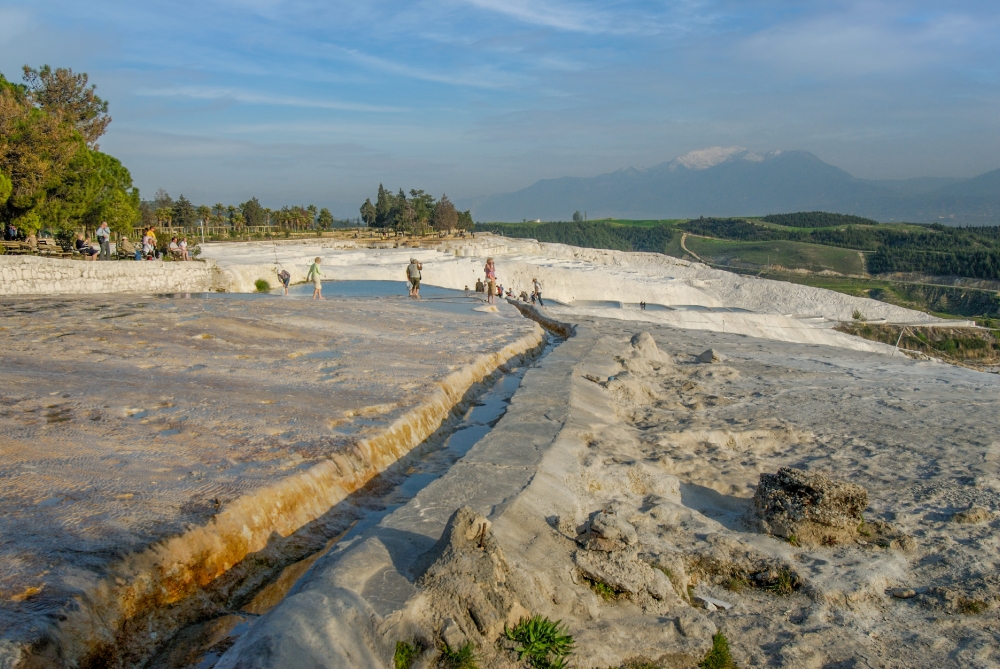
(62, 93)
(48, 155)
(414, 213)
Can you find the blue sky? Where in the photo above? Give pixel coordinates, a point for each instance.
(309, 101)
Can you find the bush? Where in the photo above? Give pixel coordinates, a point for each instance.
(262, 286)
(463, 658)
(718, 657)
(405, 654)
(543, 643)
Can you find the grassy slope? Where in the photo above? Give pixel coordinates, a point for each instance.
(792, 255)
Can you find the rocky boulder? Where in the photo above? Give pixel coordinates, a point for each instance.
(810, 508)
(607, 531)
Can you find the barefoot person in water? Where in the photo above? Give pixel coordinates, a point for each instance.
(316, 276)
(413, 276)
(491, 280)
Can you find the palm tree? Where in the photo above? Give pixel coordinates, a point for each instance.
(164, 215)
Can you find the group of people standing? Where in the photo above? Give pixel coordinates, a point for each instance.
(494, 289)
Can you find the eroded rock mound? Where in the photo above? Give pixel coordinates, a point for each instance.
(607, 531)
(470, 585)
(810, 508)
(610, 556)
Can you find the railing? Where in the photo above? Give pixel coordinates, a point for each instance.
(208, 230)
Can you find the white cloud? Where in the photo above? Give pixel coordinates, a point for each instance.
(247, 97)
(479, 78)
(871, 39)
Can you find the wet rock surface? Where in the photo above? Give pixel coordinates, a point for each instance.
(128, 423)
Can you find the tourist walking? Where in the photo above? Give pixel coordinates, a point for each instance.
(316, 276)
(104, 239)
(413, 276)
(538, 291)
(491, 280)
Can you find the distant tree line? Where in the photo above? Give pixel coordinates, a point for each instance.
(816, 219)
(414, 214)
(52, 174)
(594, 235)
(163, 210)
(976, 263)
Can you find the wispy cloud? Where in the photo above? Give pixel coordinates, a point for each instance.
(575, 18)
(247, 97)
(480, 77)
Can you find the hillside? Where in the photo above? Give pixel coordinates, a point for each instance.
(935, 268)
(733, 181)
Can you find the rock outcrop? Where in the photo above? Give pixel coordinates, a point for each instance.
(810, 508)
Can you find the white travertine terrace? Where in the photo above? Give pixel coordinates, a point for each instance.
(149, 445)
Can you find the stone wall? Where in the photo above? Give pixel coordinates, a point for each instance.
(31, 275)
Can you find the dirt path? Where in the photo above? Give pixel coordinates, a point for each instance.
(689, 251)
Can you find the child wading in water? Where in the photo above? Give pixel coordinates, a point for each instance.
(317, 278)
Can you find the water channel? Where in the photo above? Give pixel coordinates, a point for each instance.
(200, 645)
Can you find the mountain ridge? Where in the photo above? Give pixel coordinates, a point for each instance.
(734, 181)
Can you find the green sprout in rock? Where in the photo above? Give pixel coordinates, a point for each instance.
(969, 606)
(543, 643)
(602, 589)
(718, 657)
(736, 584)
(405, 654)
(463, 658)
(784, 584)
(262, 286)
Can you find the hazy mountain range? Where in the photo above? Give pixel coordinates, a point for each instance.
(734, 181)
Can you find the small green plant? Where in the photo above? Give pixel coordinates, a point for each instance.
(640, 663)
(262, 286)
(793, 540)
(863, 529)
(405, 654)
(970, 606)
(718, 657)
(736, 584)
(858, 316)
(463, 658)
(784, 584)
(602, 589)
(543, 643)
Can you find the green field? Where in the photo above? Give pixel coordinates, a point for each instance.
(790, 255)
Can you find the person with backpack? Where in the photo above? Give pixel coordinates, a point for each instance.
(285, 278)
(104, 239)
(413, 275)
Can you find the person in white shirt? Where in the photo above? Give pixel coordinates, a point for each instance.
(104, 238)
(538, 291)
